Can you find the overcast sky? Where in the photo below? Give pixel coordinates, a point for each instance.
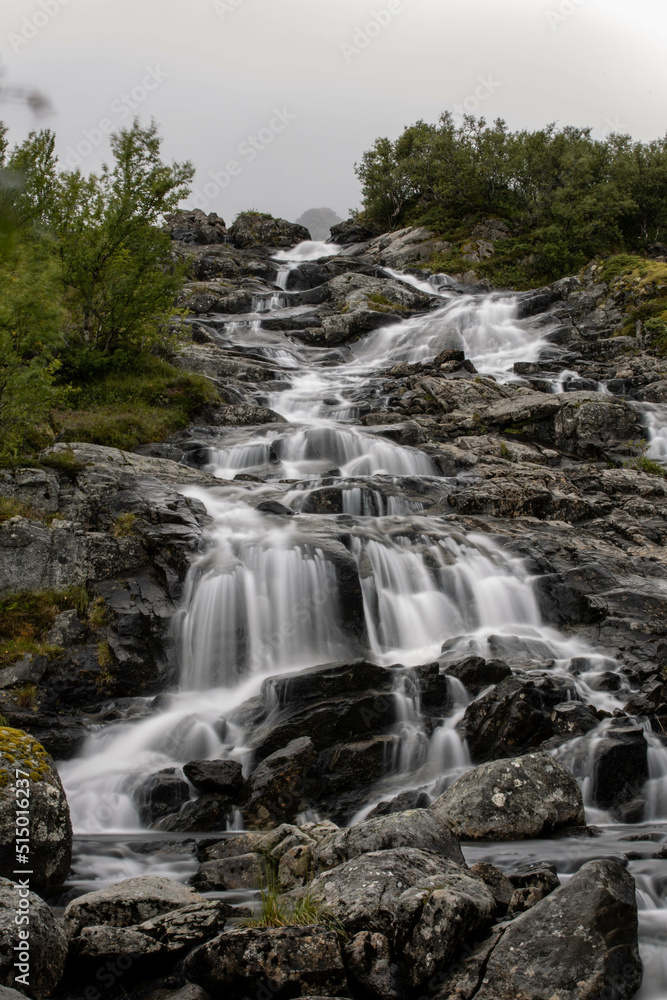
(291, 92)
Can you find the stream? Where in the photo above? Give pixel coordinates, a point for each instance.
(262, 599)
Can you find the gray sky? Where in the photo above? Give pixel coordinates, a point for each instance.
(291, 92)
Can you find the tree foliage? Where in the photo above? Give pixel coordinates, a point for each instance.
(568, 196)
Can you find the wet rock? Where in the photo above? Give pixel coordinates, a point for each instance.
(46, 945)
(529, 796)
(231, 846)
(252, 229)
(160, 795)
(515, 716)
(222, 776)
(400, 803)
(277, 788)
(572, 718)
(288, 961)
(418, 828)
(32, 798)
(370, 969)
(579, 942)
(208, 813)
(620, 768)
(476, 673)
(127, 903)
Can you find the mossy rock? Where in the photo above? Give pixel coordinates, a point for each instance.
(29, 783)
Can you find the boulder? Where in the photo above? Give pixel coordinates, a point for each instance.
(370, 968)
(514, 716)
(46, 944)
(222, 776)
(31, 792)
(531, 796)
(160, 794)
(254, 229)
(206, 814)
(620, 766)
(364, 893)
(246, 871)
(286, 961)
(277, 787)
(578, 943)
(196, 227)
(151, 946)
(418, 828)
(127, 903)
(476, 673)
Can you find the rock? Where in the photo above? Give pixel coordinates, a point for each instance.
(196, 227)
(222, 776)
(572, 718)
(434, 920)
(208, 813)
(150, 947)
(370, 969)
(531, 796)
(160, 795)
(417, 828)
(620, 767)
(364, 893)
(277, 787)
(247, 871)
(514, 716)
(8, 994)
(580, 942)
(126, 903)
(476, 673)
(401, 803)
(229, 847)
(351, 231)
(32, 798)
(46, 945)
(252, 229)
(287, 961)
(295, 867)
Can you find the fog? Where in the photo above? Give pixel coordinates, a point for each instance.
(275, 100)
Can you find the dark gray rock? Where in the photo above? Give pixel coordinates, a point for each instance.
(126, 903)
(196, 227)
(160, 795)
(371, 970)
(277, 788)
(288, 961)
(31, 790)
(529, 796)
(252, 229)
(47, 945)
(222, 776)
(620, 766)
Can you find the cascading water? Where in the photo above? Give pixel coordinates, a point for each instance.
(263, 598)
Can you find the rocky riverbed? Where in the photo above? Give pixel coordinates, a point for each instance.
(368, 696)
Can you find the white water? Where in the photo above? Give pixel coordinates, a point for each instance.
(263, 598)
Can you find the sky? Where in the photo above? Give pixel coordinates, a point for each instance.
(275, 100)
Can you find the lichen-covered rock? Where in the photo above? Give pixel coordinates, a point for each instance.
(288, 961)
(418, 828)
(47, 945)
(370, 967)
(578, 943)
(126, 903)
(529, 796)
(253, 229)
(277, 787)
(32, 798)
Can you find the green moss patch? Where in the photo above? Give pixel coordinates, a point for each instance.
(18, 751)
(26, 617)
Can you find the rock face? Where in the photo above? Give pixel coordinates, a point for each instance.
(529, 796)
(223, 776)
(252, 229)
(288, 961)
(567, 945)
(277, 787)
(32, 799)
(196, 227)
(46, 944)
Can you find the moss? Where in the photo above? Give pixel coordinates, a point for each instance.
(124, 526)
(63, 461)
(22, 753)
(26, 617)
(25, 696)
(97, 614)
(104, 655)
(380, 303)
(14, 508)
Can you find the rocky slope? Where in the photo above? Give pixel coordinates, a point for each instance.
(389, 907)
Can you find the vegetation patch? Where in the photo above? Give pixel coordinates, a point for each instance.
(21, 751)
(26, 617)
(277, 910)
